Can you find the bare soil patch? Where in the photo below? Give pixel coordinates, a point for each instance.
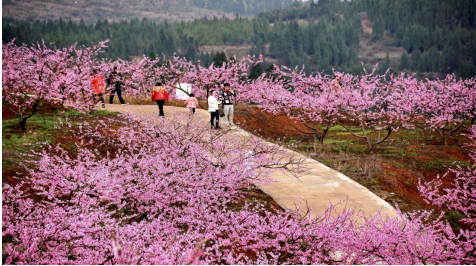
(391, 172)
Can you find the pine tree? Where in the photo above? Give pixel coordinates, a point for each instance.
(219, 59)
(406, 42)
(404, 62)
(385, 65)
(416, 60)
(152, 55)
(255, 71)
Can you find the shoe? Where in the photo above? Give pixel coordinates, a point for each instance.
(222, 115)
(123, 103)
(217, 127)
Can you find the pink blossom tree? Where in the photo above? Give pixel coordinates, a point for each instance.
(169, 194)
(35, 75)
(176, 71)
(460, 197)
(447, 104)
(302, 98)
(378, 107)
(370, 102)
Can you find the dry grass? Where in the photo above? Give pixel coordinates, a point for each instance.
(361, 168)
(92, 10)
(241, 51)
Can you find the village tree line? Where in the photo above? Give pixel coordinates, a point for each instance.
(438, 36)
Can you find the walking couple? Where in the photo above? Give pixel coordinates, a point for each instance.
(226, 99)
(115, 81)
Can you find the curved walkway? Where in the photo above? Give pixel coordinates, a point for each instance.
(317, 187)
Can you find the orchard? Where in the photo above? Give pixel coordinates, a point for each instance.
(168, 194)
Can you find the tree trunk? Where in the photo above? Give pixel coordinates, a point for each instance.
(23, 123)
(324, 134)
(445, 139)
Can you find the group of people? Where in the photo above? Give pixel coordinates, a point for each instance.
(224, 98)
(114, 80)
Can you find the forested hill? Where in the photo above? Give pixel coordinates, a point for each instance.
(90, 11)
(429, 37)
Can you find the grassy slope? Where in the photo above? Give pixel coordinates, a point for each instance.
(113, 10)
(41, 129)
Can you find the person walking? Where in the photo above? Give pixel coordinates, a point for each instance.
(160, 95)
(213, 109)
(191, 103)
(97, 87)
(116, 81)
(228, 96)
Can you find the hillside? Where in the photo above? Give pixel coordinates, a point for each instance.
(90, 11)
(430, 38)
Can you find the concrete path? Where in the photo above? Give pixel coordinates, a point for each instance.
(317, 187)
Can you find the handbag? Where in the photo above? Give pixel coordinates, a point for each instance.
(211, 109)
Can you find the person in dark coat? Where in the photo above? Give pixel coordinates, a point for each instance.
(116, 81)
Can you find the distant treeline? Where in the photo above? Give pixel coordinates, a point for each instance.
(243, 7)
(438, 35)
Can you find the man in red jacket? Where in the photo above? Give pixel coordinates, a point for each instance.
(160, 95)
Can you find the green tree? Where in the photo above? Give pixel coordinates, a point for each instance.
(416, 60)
(219, 59)
(378, 28)
(152, 55)
(404, 62)
(406, 42)
(255, 71)
(385, 65)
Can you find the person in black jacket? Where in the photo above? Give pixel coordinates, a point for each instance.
(228, 97)
(115, 80)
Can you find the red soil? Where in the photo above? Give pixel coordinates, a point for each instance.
(398, 175)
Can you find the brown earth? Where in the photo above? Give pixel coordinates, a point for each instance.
(392, 172)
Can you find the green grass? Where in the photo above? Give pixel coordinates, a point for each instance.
(453, 217)
(372, 182)
(351, 169)
(344, 147)
(443, 164)
(399, 153)
(335, 141)
(327, 162)
(104, 112)
(339, 128)
(358, 132)
(41, 129)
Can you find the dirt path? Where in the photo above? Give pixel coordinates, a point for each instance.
(317, 187)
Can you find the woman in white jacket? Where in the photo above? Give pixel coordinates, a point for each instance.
(213, 108)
